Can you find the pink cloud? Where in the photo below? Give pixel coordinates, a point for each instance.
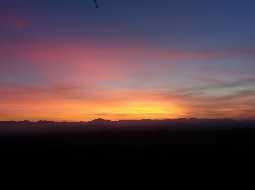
(13, 22)
(67, 51)
(89, 63)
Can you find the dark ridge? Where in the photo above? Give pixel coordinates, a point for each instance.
(123, 140)
(183, 122)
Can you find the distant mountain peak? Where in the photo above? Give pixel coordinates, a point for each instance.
(100, 120)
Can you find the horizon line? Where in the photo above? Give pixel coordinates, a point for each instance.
(87, 121)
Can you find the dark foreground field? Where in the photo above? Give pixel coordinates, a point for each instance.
(159, 142)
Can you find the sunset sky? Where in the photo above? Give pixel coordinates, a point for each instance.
(129, 59)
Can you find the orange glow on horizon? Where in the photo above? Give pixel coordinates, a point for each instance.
(115, 108)
(78, 113)
(69, 103)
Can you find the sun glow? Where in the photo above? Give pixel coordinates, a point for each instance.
(143, 108)
(113, 109)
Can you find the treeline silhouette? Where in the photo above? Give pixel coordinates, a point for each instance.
(183, 122)
(123, 140)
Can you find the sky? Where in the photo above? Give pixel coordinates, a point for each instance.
(65, 60)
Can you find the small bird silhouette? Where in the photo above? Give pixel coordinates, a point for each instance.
(96, 4)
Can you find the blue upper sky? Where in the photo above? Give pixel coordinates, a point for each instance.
(200, 51)
(167, 23)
